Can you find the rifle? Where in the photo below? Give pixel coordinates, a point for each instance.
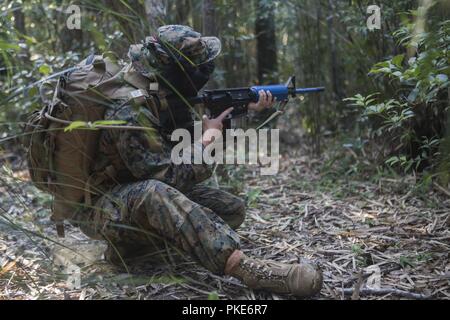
(218, 100)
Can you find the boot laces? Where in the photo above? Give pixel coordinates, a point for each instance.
(261, 268)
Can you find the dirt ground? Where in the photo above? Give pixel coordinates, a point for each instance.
(381, 239)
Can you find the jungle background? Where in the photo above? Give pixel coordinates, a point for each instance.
(364, 183)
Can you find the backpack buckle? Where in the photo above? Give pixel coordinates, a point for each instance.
(138, 96)
(153, 87)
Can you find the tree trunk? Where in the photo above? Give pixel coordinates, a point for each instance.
(19, 19)
(266, 42)
(333, 53)
(19, 25)
(209, 18)
(209, 28)
(319, 79)
(155, 11)
(183, 10)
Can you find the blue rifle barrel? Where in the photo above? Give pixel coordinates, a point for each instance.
(309, 90)
(282, 92)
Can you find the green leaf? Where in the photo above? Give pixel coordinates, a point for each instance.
(75, 125)
(5, 45)
(412, 60)
(405, 261)
(32, 92)
(408, 166)
(397, 60)
(384, 64)
(253, 196)
(413, 95)
(213, 296)
(392, 160)
(381, 70)
(108, 122)
(45, 69)
(29, 40)
(356, 249)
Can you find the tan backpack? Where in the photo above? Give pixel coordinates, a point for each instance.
(60, 161)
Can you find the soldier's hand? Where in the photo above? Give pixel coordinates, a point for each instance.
(266, 100)
(211, 125)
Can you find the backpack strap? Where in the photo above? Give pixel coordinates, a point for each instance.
(137, 80)
(96, 179)
(58, 210)
(147, 84)
(58, 207)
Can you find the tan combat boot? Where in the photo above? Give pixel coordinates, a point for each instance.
(301, 280)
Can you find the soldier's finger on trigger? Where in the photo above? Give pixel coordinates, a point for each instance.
(224, 114)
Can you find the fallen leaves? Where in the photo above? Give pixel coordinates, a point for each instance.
(381, 227)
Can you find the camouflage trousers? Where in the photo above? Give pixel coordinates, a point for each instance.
(200, 222)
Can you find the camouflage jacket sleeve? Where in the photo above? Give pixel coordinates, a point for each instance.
(147, 155)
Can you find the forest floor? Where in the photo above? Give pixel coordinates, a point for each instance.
(380, 239)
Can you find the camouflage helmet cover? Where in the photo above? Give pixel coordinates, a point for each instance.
(175, 42)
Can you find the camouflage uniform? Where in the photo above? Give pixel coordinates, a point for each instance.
(152, 199)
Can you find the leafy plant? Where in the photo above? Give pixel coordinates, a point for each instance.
(92, 125)
(252, 197)
(213, 296)
(407, 128)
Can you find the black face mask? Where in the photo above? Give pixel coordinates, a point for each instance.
(187, 82)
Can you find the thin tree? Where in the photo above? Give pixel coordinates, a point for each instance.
(266, 41)
(155, 11)
(209, 18)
